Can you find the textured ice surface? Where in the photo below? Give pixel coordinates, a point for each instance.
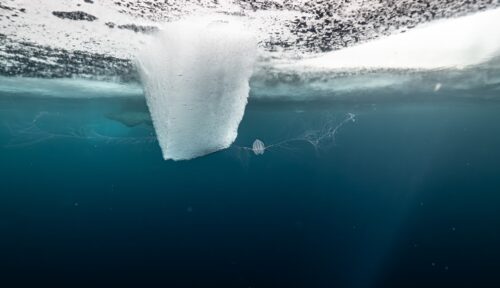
(196, 80)
(67, 88)
(450, 43)
(461, 54)
(37, 41)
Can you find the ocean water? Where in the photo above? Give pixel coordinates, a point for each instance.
(407, 195)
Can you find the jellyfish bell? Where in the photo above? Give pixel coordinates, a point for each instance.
(258, 147)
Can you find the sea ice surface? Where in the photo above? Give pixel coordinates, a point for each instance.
(448, 43)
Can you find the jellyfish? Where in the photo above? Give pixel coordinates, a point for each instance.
(258, 147)
(314, 137)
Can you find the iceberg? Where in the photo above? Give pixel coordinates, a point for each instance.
(196, 81)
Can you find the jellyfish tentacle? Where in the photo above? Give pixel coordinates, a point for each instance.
(315, 137)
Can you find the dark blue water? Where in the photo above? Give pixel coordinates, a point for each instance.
(406, 196)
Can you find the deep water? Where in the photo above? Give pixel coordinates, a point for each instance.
(405, 196)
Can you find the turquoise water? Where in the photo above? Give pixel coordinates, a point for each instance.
(405, 196)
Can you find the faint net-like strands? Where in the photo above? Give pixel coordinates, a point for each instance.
(314, 137)
(26, 136)
(328, 132)
(39, 115)
(31, 134)
(93, 134)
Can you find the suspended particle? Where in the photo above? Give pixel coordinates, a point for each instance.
(258, 147)
(437, 87)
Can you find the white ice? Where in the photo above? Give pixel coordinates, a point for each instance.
(196, 80)
(448, 43)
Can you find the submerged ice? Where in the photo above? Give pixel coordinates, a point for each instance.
(196, 80)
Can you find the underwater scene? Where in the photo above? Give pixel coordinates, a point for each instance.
(249, 143)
